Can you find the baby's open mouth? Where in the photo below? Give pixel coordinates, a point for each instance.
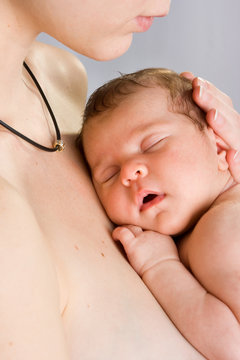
(151, 200)
(148, 198)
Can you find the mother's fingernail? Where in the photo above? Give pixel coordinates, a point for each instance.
(215, 115)
(202, 82)
(236, 157)
(218, 118)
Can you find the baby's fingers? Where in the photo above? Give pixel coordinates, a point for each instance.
(126, 234)
(136, 230)
(129, 238)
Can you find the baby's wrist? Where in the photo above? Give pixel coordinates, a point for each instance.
(159, 267)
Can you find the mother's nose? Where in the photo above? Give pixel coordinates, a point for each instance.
(131, 172)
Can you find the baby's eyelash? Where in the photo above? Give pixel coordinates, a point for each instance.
(109, 177)
(152, 144)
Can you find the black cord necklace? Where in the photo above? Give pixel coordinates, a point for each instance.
(59, 145)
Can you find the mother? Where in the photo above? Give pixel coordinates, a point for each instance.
(66, 291)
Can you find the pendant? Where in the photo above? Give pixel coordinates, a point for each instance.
(59, 144)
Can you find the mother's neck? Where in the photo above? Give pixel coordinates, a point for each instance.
(17, 33)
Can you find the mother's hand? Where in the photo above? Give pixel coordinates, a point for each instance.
(221, 116)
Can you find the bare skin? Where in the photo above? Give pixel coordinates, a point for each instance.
(67, 292)
(200, 293)
(86, 301)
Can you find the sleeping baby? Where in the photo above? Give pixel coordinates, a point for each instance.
(161, 174)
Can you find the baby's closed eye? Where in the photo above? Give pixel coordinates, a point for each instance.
(107, 174)
(149, 144)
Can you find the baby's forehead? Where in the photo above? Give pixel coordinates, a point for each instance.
(132, 113)
(137, 98)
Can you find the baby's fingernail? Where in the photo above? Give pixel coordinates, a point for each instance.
(236, 157)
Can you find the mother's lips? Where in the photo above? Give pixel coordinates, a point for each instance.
(144, 22)
(150, 200)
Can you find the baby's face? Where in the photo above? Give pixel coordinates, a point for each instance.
(151, 167)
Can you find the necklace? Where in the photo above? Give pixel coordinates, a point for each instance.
(59, 145)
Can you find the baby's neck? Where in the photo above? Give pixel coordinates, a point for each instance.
(221, 192)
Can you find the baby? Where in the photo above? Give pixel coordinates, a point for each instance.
(157, 166)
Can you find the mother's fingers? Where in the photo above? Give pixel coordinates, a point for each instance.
(188, 75)
(199, 83)
(221, 116)
(227, 125)
(225, 122)
(233, 159)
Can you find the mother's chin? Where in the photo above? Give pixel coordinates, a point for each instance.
(108, 49)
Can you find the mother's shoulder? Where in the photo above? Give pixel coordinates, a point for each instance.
(54, 59)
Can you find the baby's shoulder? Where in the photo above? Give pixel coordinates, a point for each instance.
(223, 213)
(216, 230)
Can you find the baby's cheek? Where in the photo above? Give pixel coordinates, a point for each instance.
(186, 164)
(114, 209)
(181, 156)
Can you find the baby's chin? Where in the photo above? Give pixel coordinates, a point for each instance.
(176, 229)
(165, 225)
(170, 227)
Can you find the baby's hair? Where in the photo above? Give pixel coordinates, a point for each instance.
(110, 95)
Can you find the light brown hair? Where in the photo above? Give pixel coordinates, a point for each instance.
(111, 94)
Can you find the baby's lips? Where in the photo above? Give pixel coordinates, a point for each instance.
(140, 196)
(144, 197)
(150, 200)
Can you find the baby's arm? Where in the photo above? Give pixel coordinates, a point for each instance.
(213, 254)
(204, 320)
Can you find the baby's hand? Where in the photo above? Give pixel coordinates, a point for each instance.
(145, 249)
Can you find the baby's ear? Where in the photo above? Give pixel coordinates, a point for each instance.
(221, 148)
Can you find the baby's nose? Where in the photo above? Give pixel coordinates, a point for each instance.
(131, 172)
